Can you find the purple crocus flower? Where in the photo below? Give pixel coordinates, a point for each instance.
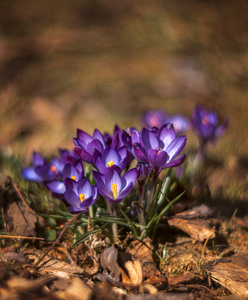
(114, 187)
(206, 125)
(43, 169)
(68, 157)
(80, 195)
(110, 158)
(75, 173)
(158, 118)
(154, 118)
(180, 123)
(160, 148)
(85, 144)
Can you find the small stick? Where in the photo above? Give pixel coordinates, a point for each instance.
(21, 237)
(56, 242)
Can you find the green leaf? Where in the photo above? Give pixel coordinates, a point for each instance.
(135, 233)
(112, 219)
(167, 207)
(85, 236)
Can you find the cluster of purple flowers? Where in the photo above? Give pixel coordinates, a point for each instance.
(155, 147)
(154, 150)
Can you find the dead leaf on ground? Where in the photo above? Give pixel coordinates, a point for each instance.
(121, 266)
(19, 217)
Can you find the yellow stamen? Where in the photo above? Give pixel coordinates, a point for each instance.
(82, 198)
(114, 190)
(110, 163)
(74, 178)
(53, 169)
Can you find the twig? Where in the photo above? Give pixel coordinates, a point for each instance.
(56, 242)
(21, 237)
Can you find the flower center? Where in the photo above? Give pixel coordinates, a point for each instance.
(114, 190)
(205, 121)
(110, 163)
(81, 197)
(74, 178)
(53, 169)
(154, 121)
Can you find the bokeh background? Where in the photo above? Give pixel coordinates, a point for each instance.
(95, 63)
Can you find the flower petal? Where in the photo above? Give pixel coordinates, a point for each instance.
(222, 128)
(140, 152)
(72, 198)
(84, 137)
(166, 134)
(157, 159)
(126, 191)
(57, 187)
(176, 146)
(31, 175)
(129, 177)
(149, 139)
(75, 210)
(94, 144)
(86, 203)
(176, 162)
(84, 187)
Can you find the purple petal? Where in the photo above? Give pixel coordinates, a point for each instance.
(129, 177)
(176, 162)
(97, 135)
(122, 152)
(135, 136)
(166, 134)
(94, 192)
(126, 191)
(84, 187)
(37, 159)
(212, 117)
(75, 210)
(112, 177)
(72, 198)
(70, 184)
(57, 187)
(84, 155)
(30, 174)
(117, 200)
(222, 128)
(86, 203)
(109, 154)
(157, 159)
(94, 144)
(69, 171)
(176, 146)
(100, 166)
(126, 139)
(148, 139)
(84, 137)
(139, 152)
(122, 164)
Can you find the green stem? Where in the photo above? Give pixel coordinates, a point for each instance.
(114, 225)
(90, 219)
(141, 217)
(152, 191)
(163, 191)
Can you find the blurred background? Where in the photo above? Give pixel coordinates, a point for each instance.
(94, 63)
